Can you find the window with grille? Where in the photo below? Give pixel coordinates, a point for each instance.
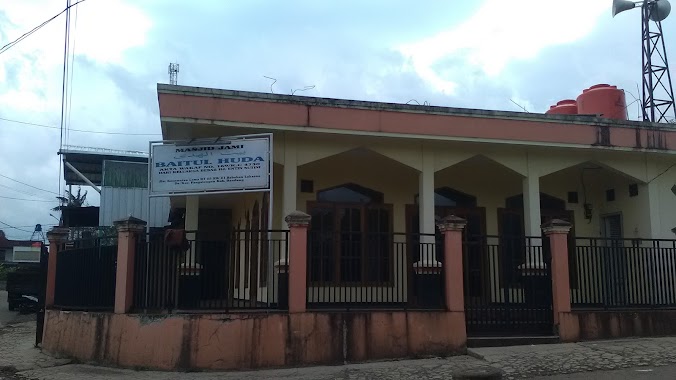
(350, 238)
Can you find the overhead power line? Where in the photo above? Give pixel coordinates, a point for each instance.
(80, 130)
(29, 200)
(25, 184)
(16, 228)
(22, 192)
(25, 35)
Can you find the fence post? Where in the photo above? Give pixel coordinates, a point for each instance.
(451, 227)
(298, 225)
(128, 230)
(557, 231)
(56, 237)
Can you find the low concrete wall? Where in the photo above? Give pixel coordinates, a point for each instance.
(589, 325)
(243, 341)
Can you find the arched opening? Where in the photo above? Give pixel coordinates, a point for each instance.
(350, 238)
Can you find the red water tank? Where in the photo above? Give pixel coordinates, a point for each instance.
(604, 100)
(564, 107)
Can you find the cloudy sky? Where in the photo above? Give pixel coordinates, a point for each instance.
(477, 54)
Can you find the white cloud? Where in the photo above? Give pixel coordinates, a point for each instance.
(30, 90)
(499, 33)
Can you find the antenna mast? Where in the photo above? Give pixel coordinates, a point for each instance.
(658, 94)
(173, 73)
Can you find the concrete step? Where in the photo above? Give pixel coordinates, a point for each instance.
(502, 341)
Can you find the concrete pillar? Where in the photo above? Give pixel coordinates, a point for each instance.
(428, 281)
(531, 205)
(532, 221)
(426, 194)
(56, 236)
(557, 232)
(290, 177)
(192, 212)
(298, 223)
(652, 199)
(451, 227)
(128, 231)
(426, 219)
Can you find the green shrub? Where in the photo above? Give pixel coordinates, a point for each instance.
(3, 271)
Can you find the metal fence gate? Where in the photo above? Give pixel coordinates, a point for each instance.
(510, 292)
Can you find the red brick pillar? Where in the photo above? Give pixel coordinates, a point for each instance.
(557, 231)
(56, 236)
(298, 225)
(451, 227)
(128, 231)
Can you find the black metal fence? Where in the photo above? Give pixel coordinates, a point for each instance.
(624, 273)
(201, 273)
(85, 274)
(355, 270)
(507, 285)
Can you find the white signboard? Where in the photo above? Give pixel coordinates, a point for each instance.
(236, 164)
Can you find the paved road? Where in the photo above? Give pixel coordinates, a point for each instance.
(544, 360)
(6, 316)
(657, 373)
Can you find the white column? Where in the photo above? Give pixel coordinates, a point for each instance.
(532, 221)
(289, 191)
(531, 206)
(192, 210)
(290, 186)
(653, 199)
(651, 224)
(426, 207)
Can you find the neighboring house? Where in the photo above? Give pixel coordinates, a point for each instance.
(18, 251)
(121, 178)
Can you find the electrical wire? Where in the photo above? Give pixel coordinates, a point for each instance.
(11, 44)
(19, 191)
(37, 188)
(66, 42)
(70, 84)
(80, 130)
(28, 200)
(16, 228)
(663, 172)
(41, 224)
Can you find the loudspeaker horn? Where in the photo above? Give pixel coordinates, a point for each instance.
(622, 5)
(660, 10)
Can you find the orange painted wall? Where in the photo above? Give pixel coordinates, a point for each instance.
(245, 341)
(590, 325)
(385, 121)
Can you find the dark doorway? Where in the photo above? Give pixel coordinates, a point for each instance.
(448, 202)
(614, 260)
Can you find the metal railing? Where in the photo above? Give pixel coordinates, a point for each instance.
(85, 274)
(203, 273)
(507, 285)
(624, 273)
(355, 270)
